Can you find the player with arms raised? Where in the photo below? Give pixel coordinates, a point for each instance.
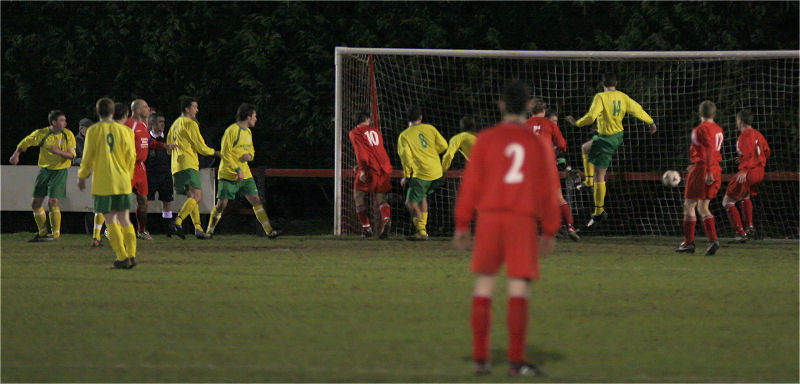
(547, 129)
(753, 152)
(704, 179)
(373, 174)
(511, 182)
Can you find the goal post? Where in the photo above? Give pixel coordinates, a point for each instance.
(450, 84)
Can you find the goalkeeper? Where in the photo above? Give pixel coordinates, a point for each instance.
(461, 142)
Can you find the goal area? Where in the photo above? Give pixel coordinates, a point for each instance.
(451, 84)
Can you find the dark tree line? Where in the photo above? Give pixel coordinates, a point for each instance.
(279, 56)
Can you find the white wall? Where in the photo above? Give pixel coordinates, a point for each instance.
(16, 188)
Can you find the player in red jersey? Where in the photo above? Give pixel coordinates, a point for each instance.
(511, 182)
(753, 152)
(549, 131)
(704, 179)
(373, 174)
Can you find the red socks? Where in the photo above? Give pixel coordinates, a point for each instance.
(481, 320)
(386, 211)
(141, 220)
(517, 319)
(736, 220)
(747, 212)
(566, 215)
(363, 217)
(710, 227)
(688, 229)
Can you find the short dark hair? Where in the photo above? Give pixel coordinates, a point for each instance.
(707, 109)
(609, 79)
(185, 102)
(244, 111)
(154, 118)
(104, 107)
(539, 106)
(516, 97)
(467, 123)
(54, 115)
(413, 113)
(551, 112)
(745, 116)
(120, 111)
(362, 116)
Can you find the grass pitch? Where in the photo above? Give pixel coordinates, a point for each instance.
(243, 308)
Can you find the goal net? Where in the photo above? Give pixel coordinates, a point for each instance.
(449, 84)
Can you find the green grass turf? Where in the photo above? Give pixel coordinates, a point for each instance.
(243, 308)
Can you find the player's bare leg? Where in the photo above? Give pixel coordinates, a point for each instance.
(689, 221)
(261, 215)
(416, 217)
(55, 217)
(729, 204)
(424, 210)
(122, 237)
(141, 218)
(588, 168)
(599, 187)
(481, 320)
(216, 214)
(41, 221)
(709, 225)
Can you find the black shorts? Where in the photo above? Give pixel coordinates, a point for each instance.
(162, 185)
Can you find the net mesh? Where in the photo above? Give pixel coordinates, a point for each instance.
(670, 90)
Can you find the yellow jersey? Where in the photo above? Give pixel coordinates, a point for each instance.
(608, 108)
(186, 134)
(419, 147)
(461, 142)
(109, 155)
(44, 138)
(236, 142)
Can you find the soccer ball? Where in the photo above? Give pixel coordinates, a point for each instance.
(671, 178)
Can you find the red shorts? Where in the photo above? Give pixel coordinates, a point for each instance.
(696, 188)
(505, 237)
(738, 191)
(139, 181)
(376, 183)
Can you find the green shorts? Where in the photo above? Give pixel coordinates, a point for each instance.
(603, 147)
(185, 179)
(51, 183)
(418, 189)
(227, 189)
(113, 203)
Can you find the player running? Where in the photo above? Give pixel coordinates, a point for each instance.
(56, 151)
(373, 174)
(753, 152)
(234, 172)
(511, 182)
(704, 179)
(185, 134)
(547, 129)
(109, 156)
(419, 147)
(608, 108)
(461, 142)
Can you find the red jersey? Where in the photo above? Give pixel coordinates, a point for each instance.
(510, 170)
(706, 144)
(548, 130)
(752, 148)
(141, 138)
(368, 145)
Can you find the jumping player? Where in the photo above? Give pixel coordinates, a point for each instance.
(461, 142)
(373, 174)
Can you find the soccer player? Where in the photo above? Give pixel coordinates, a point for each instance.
(109, 156)
(234, 173)
(547, 129)
(608, 108)
(56, 151)
(419, 147)
(373, 174)
(753, 152)
(159, 175)
(511, 182)
(185, 134)
(461, 142)
(140, 111)
(704, 179)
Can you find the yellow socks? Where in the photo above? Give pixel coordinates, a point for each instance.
(186, 210)
(599, 197)
(425, 219)
(419, 225)
(129, 239)
(261, 215)
(55, 221)
(195, 213)
(115, 237)
(41, 220)
(213, 219)
(99, 219)
(588, 170)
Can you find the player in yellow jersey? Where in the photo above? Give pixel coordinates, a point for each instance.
(461, 142)
(419, 147)
(185, 133)
(608, 108)
(109, 157)
(56, 151)
(234, 173)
